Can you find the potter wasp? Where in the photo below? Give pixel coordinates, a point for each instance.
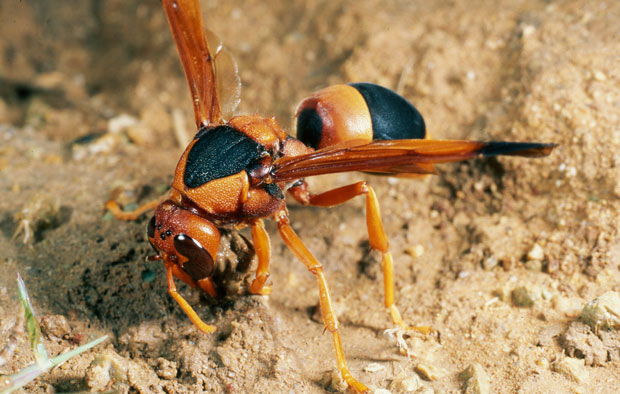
(235, 172)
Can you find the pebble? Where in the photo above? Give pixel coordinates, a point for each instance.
(573, 368)
(503, 293)
(415, 251)
(476, 380)
(166, 369)
(56, 325)
(489, 263)
(406, 384)
(525, 296)
(534, 265)
(603, 311)
(374, 367)
(536, 253)
(121, 122)
(428, 372)
(109, 370)
(599, 75)
(580, 340)
(569, 306)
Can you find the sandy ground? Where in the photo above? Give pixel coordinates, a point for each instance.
(499, 256)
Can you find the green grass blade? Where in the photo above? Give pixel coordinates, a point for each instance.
(64, 357)
(28, 374)
(34, 331)
(10, 383)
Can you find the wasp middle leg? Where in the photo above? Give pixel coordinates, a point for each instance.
(262, 247)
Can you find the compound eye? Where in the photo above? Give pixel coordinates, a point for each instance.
(199, 264)
(150, 228)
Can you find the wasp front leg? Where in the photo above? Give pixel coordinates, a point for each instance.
(187, 308)
(376, 234)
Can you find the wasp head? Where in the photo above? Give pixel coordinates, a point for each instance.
(182, 237)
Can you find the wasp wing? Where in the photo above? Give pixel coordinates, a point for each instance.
(185, 20)
(228, 82)
(396, 157)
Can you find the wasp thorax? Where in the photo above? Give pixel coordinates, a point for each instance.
(260, 169)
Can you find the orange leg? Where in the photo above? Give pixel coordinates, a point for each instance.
(329, 317)
(376, 234)
(118, 213)
(262, 246)
(193, 316)
(206, 284)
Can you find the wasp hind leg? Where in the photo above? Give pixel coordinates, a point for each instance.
(377, 238)
(330, 320)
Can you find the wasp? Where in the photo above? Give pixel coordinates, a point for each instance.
(235, 172)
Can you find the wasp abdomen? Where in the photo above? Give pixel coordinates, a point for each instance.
(359, 111)
(393, 117)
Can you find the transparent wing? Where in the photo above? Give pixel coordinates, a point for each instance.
(228, 82)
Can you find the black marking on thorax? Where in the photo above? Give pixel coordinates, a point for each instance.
(219, 152)
(273, 190)
(393, 117)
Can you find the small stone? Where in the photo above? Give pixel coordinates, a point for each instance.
(56, 325)
(599, 75)
(428, 372)
(120, 123)
(569, 306)
(573, 368)
(543, 363)
(536, 253)
(552, 266)
(534, 265)
(489, 263)
(503, 293)
(374, 367)
(476, 380)
(166, 369)
(406, 384)
(579, 340)
(111, 371)
(603, 311)
(415, 251)
(524, 296)
(139, 134)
